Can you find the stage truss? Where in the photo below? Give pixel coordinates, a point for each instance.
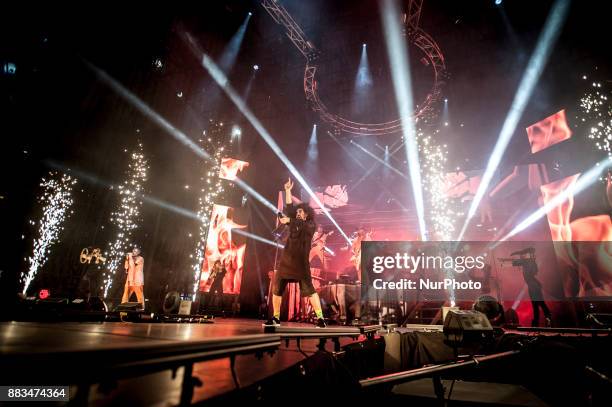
(415, 35)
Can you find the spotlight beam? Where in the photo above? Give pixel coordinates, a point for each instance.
(230, 53)
(224, 84)
(400, 73)
(393, 150)
(258, 238)
(263, 219)
(373, 167)
(585, 180)
(190, 214)
(535, 66)
(381, 161)
(348, 152)
(135, 101)
(227, 59)
(368, 171)
(157, 202)
(313, 149)
(363, 83)
(249, 190)
(512, 218)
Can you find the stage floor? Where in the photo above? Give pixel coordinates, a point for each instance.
(90, 340)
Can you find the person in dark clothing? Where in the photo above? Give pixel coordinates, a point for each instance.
(214, 298)
(294, 265)
(218, 274)
(534, 287)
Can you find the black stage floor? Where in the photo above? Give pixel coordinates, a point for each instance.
(128, 363)
(89, 351)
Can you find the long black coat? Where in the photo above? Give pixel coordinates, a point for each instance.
(294, 263)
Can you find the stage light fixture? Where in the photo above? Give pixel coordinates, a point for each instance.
(9, 68)
(236, 131)
(313, 150)
(256, 67)
(466, 329)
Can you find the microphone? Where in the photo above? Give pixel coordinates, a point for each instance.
(278, 231)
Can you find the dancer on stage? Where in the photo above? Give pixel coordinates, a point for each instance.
(294, 265)
(216, 278)
(215, 282)
(134, 264)
(361, 236)
(317, 249)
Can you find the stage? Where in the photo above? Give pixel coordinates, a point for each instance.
(430, 182)
(236, 359)
(94, 352)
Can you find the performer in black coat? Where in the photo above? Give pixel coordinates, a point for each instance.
(294, 265)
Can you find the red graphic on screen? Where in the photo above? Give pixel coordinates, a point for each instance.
(587, 274)
(219, 246)
(461, 185)
(230, 167)
(334, 196)
(548, 132)
(219, 243)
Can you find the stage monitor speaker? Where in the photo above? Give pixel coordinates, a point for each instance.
(128, 306)
(97, 304)
(466, 329)
(53, 301)
(172, 302)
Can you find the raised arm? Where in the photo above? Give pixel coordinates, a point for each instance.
(289, 208)
(288, 188)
